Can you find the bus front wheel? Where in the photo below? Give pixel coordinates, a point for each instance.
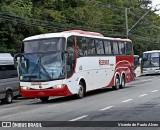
(81, 90)
(44, 99)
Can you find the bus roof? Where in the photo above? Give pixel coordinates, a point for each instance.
(153, 51)
(84, 32)
(6, 59)
(73, 32)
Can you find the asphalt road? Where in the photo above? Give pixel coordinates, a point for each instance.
(139, 101)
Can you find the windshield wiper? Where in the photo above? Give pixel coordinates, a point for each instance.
(47, 74)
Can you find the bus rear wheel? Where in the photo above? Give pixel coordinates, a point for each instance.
(134, 76)
(123, 82)
(117, 83)
(44, 99)
(81, 90)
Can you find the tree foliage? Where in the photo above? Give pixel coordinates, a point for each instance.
(23, 18)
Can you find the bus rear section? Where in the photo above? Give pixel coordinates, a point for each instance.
(151, 62)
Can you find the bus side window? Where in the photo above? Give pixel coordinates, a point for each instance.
(107, 46)
(91, 46)
(81, 46)
(84, 47)
(71, 55)
(115, 48)
(99, 46)
(121, 48)
(129, 50)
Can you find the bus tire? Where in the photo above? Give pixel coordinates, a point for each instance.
(8, 97)
(81, 90)
(123, 81)
(134, 76)
(117, 83)
(44, 99)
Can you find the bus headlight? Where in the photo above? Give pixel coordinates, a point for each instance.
(25, 88)
(59, 86)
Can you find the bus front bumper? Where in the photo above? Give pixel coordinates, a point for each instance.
(36, 93)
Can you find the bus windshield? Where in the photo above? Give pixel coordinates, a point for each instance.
(43, 45)
(41, 66)
(151, 60)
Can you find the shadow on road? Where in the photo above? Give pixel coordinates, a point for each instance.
(158, 74)
(73, 97)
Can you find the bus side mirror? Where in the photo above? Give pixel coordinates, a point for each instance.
(16, 56)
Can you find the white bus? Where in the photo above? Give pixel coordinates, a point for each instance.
(137, 66)
(151, 62)
(73, 62)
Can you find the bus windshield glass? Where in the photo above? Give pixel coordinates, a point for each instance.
(151, 60)
(41, 66)
(43, 45)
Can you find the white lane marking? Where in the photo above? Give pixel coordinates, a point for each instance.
(78, 118)
(142, 95)
(106, 108)
(127, 100)
(154, 91)
(146, 80)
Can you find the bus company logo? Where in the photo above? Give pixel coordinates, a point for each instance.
(103, 62)
(35, 84)
(6, 124)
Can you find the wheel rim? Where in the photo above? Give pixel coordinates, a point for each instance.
(117, 83)
(81, 91)
(123, 82)
(9, 98)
